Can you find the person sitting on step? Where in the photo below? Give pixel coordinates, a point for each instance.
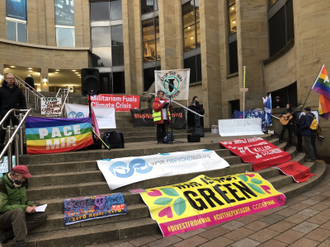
(17, 214)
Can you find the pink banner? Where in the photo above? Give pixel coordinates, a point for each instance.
(261, 153)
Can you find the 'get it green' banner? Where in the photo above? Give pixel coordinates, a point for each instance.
(205, 201)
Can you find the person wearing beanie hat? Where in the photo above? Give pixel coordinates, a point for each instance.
(306, 133)
(17, 214)
(278, 103)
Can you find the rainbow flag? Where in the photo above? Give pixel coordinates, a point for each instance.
(324, 107)
(321, 84)
(56, 135)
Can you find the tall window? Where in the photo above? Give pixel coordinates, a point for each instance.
(148, 6)
(194, 64)
(16, 20)
(191, 25)
(64, 23)
(280, 26)
(232, 38)
(150, 38)
(107, 44)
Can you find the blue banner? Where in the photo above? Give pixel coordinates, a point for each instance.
(64, 12)
(16, 9)
(95, 207)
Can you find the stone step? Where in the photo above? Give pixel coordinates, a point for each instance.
(90, 165)
(55, 221)
(151, 137)
(81, 236)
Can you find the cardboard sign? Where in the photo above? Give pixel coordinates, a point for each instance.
(121, 103)
(205, 201)
(51, 105)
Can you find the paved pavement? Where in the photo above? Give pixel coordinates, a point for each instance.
(303, 221)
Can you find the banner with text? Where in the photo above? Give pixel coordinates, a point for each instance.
(205, 201)
(175, 83)
(51, 105)
(56, 135)
(298, 172)
(121, 103)
(143, 118)
(106, 118)
(240, 127)
(95, 207)
(123, 171)
(261, 153)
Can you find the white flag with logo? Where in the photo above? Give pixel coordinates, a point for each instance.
(175, 83)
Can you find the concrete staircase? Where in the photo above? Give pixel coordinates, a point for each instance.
(57, 177)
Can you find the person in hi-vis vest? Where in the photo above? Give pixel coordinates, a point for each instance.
(161, 115)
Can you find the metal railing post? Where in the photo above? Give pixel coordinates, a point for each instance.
(9, 154)
(17, 152)
(21, 138)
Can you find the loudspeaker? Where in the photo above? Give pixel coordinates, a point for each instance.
(193, 138)
(90, 81)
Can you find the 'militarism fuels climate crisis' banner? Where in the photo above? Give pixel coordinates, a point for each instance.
(55, 135)
(205, 201)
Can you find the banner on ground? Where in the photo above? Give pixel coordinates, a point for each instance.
(121, 103)
(96, 207)
(50, 105)
(175, 83)
(297, 171)
(261, 153)
(56, 135)
(240, 127)
(205, 201)
(105, 116)
(123, 171)
(143, 118)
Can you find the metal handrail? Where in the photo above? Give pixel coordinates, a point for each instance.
(11, 137)
(30, 88)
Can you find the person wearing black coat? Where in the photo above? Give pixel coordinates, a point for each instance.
(306, 132)
(11, 96)
(194, 119)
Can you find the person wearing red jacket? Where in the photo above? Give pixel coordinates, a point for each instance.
(161, 115)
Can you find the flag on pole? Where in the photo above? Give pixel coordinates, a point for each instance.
(322, 84)
(324, 107)
(268, 109)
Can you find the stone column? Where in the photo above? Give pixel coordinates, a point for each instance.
(170, 33)
(210, 50)
(252, 48)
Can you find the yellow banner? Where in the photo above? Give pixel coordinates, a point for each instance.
(205, 201)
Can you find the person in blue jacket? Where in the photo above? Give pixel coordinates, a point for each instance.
(306, 133)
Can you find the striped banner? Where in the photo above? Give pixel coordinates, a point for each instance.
(56, 135)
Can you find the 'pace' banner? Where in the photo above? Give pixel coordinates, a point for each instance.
(121, 103)
(123, 171)
(261, 153)
(206, 201)
(56, 135)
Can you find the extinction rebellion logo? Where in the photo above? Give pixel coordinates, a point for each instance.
(171, 83)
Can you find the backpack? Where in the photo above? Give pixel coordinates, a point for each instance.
(315, 127)
(114, 139)
(168, 138)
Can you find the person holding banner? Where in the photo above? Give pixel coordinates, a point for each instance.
(11, 96)
(17, 214)
(161, 115)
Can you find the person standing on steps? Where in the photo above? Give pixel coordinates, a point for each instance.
(161, 115)
(306, 133)
(288, 126)
(197, 127)
(11, 96)
(17, 214)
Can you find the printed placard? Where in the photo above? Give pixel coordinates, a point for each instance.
(121, 103)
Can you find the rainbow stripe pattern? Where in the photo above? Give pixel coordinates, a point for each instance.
(322, 84)
(324, 107)
(56, 135)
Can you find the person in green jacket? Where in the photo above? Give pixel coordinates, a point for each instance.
(17, 214)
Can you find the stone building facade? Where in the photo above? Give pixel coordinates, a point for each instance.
(282, 43)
